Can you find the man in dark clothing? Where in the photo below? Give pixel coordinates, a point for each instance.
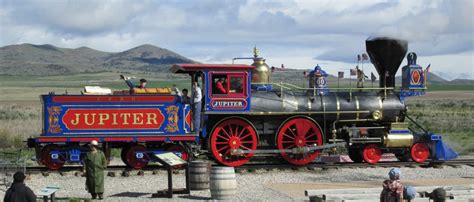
(19, 191)
(130, 83)
(95, 164)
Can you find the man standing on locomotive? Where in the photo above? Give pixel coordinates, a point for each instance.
(95, 164)
(197, 97)
(131, 84)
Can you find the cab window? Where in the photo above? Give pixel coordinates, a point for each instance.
(236, 84)
(228, 84)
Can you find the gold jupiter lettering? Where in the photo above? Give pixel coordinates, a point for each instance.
(125, 117)
(89, 119)
(76, 120)
(114, 119)
(151, 117)
(103, 117)
(137, 118)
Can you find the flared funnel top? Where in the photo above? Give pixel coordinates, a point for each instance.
(386, 54)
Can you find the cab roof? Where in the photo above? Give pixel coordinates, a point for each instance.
(186, 68)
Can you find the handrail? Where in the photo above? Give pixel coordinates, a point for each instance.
(292, 86)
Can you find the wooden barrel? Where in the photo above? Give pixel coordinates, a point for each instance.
(199, 175)
(223, 183)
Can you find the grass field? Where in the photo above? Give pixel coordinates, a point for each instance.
(448, 113)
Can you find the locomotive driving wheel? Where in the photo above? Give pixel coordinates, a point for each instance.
(135, 156)
(230, 135)
(299, 132)
(51, 158)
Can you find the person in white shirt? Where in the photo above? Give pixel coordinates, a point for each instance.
(196, 98)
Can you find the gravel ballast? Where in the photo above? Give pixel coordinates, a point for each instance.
(256, 185)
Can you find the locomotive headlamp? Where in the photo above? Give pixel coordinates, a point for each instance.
(376, 115)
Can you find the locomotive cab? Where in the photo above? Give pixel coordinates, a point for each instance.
(226, 87)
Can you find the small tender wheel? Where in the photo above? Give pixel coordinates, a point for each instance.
(356, 155)
(299, 132)
(372, 153)
(123, 153)
(420, 152)
(179, 150)
(231, 134)
(48, 160)
(135, 157)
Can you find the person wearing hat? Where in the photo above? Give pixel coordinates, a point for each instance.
(95, 164)
(392, 188)
(409, 193)
(130, 83)
(18, 191)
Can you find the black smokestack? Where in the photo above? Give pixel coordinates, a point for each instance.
(386, 54)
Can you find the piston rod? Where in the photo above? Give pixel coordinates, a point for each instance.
(296, 150)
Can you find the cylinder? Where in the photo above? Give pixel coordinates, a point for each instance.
(199, 175)
(223, 183)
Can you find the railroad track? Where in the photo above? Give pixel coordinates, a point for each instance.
(269, 166)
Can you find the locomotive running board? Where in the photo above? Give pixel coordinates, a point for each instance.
(297, 150)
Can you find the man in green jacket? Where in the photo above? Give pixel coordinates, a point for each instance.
(95, 164)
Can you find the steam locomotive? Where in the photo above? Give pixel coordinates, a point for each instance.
(252, 117)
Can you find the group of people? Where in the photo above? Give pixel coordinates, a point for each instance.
(394, 191)
(94, 164)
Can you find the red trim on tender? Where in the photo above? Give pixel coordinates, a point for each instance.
(127, 139)
(219, 67)
(151, 139)
(52, 139)
(183, 138)
(83, 139)
(110, 98)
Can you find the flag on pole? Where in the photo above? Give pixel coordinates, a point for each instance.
(426, 73)
(358, 58)
(273, 68)
(282, 67)
(353, 72)
(365, 56)
(372, 76)
(340, 74)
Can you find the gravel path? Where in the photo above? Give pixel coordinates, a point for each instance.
(252, 186)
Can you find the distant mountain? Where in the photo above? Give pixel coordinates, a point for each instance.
(29, 59)
(453, 76)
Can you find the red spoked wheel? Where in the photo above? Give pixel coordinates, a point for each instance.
(229, 135)
(372, 153)
(51, 158)
(135, 157)
(299, 132)
(420, 152)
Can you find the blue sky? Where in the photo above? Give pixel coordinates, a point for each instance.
(299, 34)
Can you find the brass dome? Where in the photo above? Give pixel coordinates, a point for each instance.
(261, 74)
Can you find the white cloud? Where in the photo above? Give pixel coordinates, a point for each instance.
(303, 32)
